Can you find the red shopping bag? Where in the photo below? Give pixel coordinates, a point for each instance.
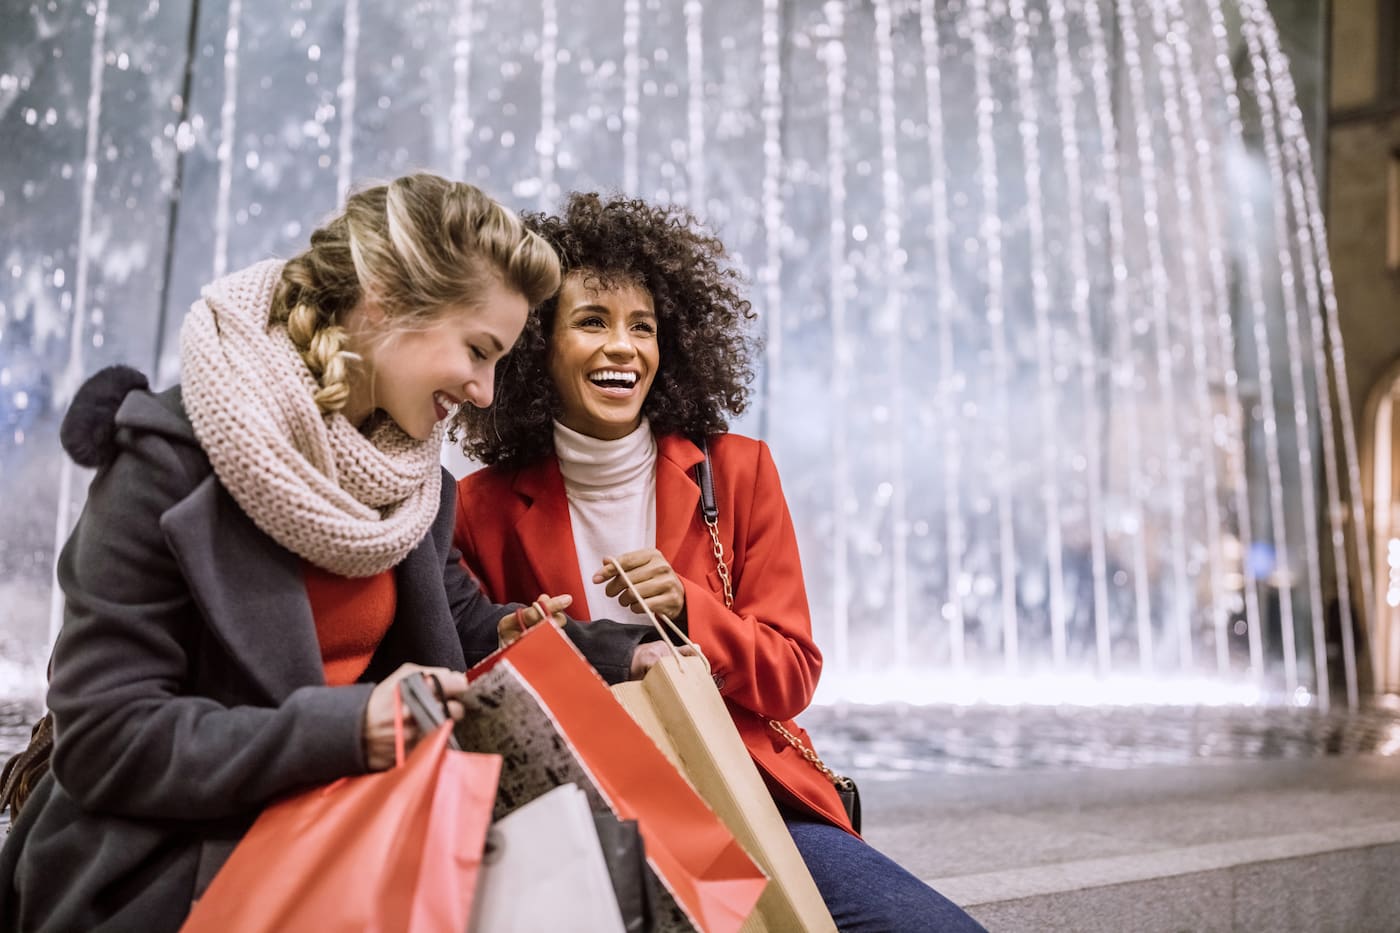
(543, 708)
(391, 851)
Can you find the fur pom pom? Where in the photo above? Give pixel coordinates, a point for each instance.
(89, 431)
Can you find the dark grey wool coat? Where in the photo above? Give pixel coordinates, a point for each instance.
(187, 686)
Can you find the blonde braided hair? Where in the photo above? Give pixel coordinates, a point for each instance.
(415, 246)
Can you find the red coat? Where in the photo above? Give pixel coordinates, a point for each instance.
(514, 533)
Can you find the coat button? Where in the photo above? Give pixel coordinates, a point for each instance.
(719, 682)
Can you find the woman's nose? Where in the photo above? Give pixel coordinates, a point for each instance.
(619, 343)
(481, 389)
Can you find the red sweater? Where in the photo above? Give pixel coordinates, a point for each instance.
(352, 615)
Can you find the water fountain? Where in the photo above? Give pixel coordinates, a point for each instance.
(1050, 330)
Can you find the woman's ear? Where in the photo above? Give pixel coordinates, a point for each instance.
(365, 320)
(373, 313)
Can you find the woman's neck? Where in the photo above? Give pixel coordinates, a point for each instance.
(593, 464)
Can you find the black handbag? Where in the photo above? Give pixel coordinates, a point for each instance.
(845, 787)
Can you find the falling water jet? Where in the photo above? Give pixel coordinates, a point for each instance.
(631, 93)
(695, 105)
(1122, 326)
(461, 97)
(1220, 296)
(1312, 236)
(1088, 361)
(1254, 286)
(346, 95)
(1195, 303)
(996, 317)
(73, 370)
(1264, 92)
(227, 113)
(834, 52)
(1157, 277)
(1040, 300)
(894, 307)
(772, 200)
(546, 141)
(946, 309)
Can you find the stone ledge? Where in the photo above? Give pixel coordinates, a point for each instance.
(1340, 880)
(1041, 880)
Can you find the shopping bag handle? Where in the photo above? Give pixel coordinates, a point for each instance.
(398, 727)
(655, 624)
(421, 706)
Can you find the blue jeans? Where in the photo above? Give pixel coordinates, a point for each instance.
(867, 892)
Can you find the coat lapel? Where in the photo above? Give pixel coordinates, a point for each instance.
(677, 495)
(545, 533)
(249, 588)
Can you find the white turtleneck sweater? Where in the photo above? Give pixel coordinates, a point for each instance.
(611, 487)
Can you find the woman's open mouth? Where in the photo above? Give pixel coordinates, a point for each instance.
(614, 383)
(444, 404)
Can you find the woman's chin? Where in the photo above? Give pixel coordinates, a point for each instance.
(610, 426)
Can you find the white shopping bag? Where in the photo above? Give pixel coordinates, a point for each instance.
(544, 871)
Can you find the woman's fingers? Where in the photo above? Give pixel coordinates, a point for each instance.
(512, 625)
(647, 588)
(655, 570)
(632, 562)
(554, 605)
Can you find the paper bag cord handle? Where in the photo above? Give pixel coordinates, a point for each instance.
(652, 616)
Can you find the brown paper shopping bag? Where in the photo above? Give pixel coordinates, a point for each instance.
(678, 705)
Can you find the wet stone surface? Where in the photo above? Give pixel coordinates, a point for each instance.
(896, 740)
(967, 740)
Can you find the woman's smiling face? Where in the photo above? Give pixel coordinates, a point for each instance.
(603, 355)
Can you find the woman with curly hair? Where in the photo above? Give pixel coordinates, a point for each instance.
(266, 551)
(608, 402)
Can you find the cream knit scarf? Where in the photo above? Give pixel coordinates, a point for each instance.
(350, 504)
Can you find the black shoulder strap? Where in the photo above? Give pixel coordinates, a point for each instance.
(704, 478)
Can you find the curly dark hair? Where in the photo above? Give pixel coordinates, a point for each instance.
(706, 350)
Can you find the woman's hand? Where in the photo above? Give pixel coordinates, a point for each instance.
(654, 579)
(644, 657)
(378, 728)
(514, 625)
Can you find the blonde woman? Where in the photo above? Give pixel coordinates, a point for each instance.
(267, 547)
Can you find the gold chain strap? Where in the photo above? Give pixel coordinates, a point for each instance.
(807, 753)
(811, 755)
(713, 525)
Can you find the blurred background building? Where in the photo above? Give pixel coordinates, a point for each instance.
(1070, 400)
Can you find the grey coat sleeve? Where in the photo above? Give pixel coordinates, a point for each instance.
(146, 724)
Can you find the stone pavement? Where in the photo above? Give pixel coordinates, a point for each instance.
(1308, 844)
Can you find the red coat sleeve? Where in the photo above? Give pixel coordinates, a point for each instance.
(761, 649)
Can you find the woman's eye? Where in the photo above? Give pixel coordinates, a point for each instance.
(479, 354)
(644, 327)
(591, 322)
